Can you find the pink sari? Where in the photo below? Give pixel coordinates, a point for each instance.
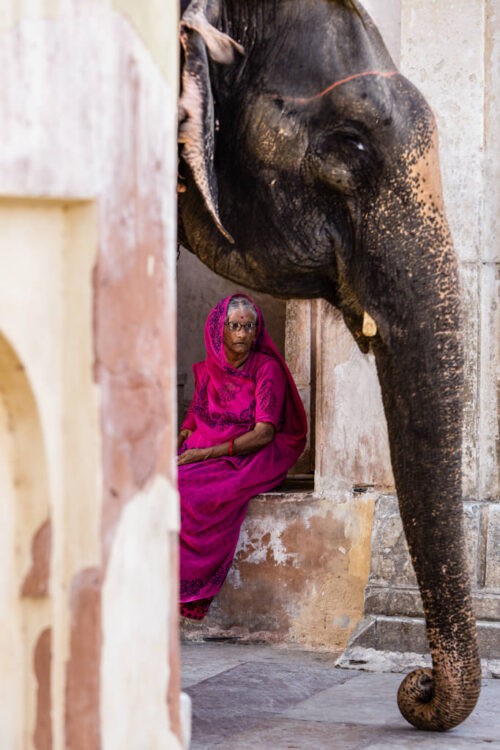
(228, 402)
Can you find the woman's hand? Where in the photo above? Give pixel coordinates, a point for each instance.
(193, 455)
(250, 442)
(183, 436)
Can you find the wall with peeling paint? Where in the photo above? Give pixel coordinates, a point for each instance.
(88, 590)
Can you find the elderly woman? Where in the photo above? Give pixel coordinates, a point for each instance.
(245, 428)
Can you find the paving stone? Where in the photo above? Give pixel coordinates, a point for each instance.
(202, 661)
(307, 735)
(243, 697)
(256, 688)
(298, 735)
(374, 705)
(277, 699)
(371, 699)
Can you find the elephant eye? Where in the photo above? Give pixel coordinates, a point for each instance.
(347, 144)
(352, 139)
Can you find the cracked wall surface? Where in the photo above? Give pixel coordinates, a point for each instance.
(87, 376)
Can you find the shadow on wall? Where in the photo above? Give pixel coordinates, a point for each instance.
(198, 290)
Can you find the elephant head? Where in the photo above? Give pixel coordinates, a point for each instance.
(309, 168)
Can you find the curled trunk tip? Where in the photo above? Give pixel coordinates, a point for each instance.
(422, 704)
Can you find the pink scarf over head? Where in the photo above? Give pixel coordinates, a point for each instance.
(225, 382)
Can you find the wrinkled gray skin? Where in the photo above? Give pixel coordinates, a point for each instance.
(299, 183)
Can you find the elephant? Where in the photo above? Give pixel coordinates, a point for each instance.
(309, 168)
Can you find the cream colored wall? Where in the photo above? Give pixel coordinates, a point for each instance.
(14, 714)
(136, 622)
(88, 132)
(457, 70)
(154, 21)
(387, 16)
(25, 501)
(47, 252)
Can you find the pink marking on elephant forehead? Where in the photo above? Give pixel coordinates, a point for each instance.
(306, 100)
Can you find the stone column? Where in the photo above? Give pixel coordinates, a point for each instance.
(300, 354)
(352, 448)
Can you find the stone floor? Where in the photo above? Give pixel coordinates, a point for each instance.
(254, 696)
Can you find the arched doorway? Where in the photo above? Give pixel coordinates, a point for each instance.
(25, 614)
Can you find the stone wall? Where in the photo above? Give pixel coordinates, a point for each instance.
(299, 572)
(89, 507)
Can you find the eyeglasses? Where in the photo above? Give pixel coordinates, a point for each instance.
(247, 327)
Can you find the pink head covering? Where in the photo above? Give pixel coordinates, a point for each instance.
(219, 370)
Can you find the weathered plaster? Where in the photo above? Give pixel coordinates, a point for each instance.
(492, 570)
(135, 605)
(24, 506)
(352, 446)
(88, 148)
(37, 581)
(489, 468)
(488, 442)
(82, 689)
(451, 76)
(300, 353)
(12, 13)
(42, 736)
(334, 605)
(491, 246)
(52, 287)
(299, 573)
(11, 705)
(142, 16)
(157, 36)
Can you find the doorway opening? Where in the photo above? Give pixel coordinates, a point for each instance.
(290, 325)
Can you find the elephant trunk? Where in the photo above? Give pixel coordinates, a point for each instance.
(420, 366)
(423, 408)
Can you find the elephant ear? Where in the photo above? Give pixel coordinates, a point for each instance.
(200, 40)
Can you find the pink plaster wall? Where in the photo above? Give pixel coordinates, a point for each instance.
(42, 738)
(87, 115)
(36, 583)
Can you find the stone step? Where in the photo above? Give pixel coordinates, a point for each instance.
(379, 637)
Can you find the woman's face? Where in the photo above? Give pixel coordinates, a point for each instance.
(237, 344)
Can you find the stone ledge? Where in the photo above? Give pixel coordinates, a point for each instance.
(408, 635)
(371, 660)
(284, 496)
(405, 601)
